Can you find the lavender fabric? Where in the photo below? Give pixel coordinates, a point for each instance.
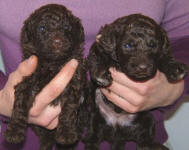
(173, 15)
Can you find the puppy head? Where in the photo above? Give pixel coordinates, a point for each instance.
(52, 32)
(135, 42)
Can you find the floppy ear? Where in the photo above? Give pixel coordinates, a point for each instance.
(27, 39)
(106, 41)
(110, 35)
(78, 31)
(164, 42)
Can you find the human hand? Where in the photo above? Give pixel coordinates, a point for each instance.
(41, 113)
(138, 96)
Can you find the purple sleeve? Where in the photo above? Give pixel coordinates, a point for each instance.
(180, 49)
(3, 80)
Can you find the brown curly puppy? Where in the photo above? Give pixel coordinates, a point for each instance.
(55, 36)
(137, 46)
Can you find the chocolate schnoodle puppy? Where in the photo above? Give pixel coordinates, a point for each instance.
(137, 46)
(55, 36)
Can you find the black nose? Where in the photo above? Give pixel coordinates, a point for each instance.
(144, 67)
(141, 67)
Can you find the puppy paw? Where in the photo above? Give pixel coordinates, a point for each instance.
(177, 72)
(152, 147)
(66, 139)
(14, 136)
(160, 147)
(104, 79)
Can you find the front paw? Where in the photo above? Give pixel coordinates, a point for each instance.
(152, 147)
(66, 138)
(14, 135)
(103, 79)
(177, 72)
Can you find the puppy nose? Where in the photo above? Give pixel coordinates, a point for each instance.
(144, 66)
(57, 42)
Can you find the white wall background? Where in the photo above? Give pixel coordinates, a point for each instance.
(1, 63)
(177, 123)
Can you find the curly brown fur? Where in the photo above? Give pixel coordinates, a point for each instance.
(55, 36)
(137, 46)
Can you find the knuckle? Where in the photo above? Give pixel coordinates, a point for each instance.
(34, 113)
(144, 90)
(43, 122)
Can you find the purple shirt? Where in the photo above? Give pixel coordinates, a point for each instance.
(173, 15)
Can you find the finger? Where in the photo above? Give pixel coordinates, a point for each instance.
(119, 101)
(55, 87)
(126, 93)
(25, 68)
(53, 124)
(49, 114)
(140, 87)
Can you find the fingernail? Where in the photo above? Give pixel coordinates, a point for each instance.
(74, 63)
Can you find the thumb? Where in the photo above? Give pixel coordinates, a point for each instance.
(25, 68)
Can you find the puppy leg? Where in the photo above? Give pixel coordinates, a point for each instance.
(144, 133)
(46, 137)
(67, 128)
(152, 146)
(94, 134)
(16, 129)
(118, 145)
(173, 69)
(65, 147)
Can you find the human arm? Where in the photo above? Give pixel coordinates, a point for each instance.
(41, 113)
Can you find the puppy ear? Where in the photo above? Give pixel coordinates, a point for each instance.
(106, 40)
(25, 33)
(27, 39)
(164, 41)
(111, 34)
(78, 30)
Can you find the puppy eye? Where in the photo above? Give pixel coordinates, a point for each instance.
(66, 27)
(128, 45)
(42, 28)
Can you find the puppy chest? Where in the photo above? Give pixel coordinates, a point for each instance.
(111, 117)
